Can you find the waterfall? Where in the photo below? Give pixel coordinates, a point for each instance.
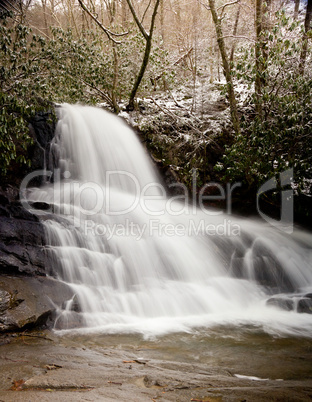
(138, 261)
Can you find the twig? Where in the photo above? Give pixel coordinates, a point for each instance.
(205, 5)
(175, 101)
(99, 91)
(238, 37)
(175, 117)
(165, 110)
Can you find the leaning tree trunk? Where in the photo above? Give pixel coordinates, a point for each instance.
(226, 66)
(148, 38)
(140, 76)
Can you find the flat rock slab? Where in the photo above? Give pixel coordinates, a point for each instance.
(42, 367)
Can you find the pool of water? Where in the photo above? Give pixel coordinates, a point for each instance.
(244, 351)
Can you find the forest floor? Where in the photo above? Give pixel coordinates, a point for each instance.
(45, 367)
(195, 109)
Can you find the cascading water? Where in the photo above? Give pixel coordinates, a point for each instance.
(140, 262)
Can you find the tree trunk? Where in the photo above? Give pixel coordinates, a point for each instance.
(265, 29)
(307, 27)
(44, 9)
(112, 12)
(124, 14)
(226, 67)
(112, 99)
(162, 20)
(235, 33)
(115, 80)
(296, 10)
(259, 56)
(141, 74)
(148, 38)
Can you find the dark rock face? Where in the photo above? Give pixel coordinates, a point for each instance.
(299, 303)
(29, 302)
(42, 130)
(305, 305)
(27, 297)
(168, 176)
(282, 303)
(21, 238)
(26, 294)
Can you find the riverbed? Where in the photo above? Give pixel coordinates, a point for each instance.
(220, 364)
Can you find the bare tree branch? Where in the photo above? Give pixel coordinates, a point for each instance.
(103, 94)
(226, 5)
(108, 33)
(148, 6)
(136, 19)
(205, 5)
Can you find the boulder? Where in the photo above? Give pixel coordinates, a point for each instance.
(296, 302)
(21, 238)
(305, 305)
(42, 129)
(29, 302)
(281, 302)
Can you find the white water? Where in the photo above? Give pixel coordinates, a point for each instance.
(147, 273)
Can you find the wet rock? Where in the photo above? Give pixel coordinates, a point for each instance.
(42, 129)
(305, 305)
(69, 320)
(169, 177)
(75, 305)
(21, 247)
(297, 302)
(25, 298)
(21, 237)
(268, 271)
(28, 302)
(22, 253)
(281, 302)
(72, 305)
(44, 206)
(4, 300)
(151, 382)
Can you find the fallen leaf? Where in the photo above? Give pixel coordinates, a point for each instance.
(17, 385)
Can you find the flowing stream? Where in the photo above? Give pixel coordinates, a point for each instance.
(140, 262)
